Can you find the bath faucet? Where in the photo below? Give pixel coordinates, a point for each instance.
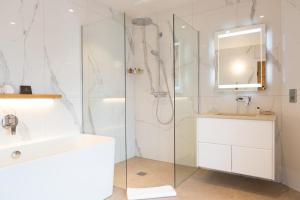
(10, 122)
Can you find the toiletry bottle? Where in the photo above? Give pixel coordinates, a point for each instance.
(257, 110)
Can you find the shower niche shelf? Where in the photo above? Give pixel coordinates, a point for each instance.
(30, 96)
(135, 71)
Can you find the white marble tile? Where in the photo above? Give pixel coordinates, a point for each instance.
(40, 45)
(290, 111)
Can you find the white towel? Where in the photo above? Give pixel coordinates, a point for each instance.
(150, 193)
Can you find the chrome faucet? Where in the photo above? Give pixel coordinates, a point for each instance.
(245, 99)
(10, 122)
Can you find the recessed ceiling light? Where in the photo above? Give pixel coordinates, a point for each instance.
(183, 27)
(12, 23)
(71, 10)
(262, 16)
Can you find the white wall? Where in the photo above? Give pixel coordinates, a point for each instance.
(208, 18)
(104, 84)
(43, 49)
(290, 112)
(153, 140)
(281, 18)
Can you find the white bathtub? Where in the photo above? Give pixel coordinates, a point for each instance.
(77, 167)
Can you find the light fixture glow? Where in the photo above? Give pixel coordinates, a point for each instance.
(254, 85)
(183, 26)
(181, 98)
(25, 102)
(238, 67)
(244, 32)
(71, 10)
(262, 16)
(114, 100)
(13, 23)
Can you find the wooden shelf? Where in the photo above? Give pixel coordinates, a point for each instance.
(30, 96)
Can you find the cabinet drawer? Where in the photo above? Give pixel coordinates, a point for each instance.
(214, 156)
(252, 162)
(247, 133)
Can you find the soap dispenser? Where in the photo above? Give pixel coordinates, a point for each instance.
(257, 110)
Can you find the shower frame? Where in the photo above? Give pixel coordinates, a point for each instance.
(176, 22)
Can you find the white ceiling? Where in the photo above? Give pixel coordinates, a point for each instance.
(144, 7)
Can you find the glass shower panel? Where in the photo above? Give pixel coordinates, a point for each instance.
(104, 90)
(150, 102)
(186, 98)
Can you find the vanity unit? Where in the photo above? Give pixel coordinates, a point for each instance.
(240, 144)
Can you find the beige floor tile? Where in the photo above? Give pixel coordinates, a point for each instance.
(203, 185)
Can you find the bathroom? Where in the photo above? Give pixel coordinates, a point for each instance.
(131, 99)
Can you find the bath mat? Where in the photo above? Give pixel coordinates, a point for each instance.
(150, 193)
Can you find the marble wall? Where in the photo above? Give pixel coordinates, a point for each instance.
(290, 111)
(208, 18)
(280, 17)
(104, 86)
(40, 45)
(155, 140)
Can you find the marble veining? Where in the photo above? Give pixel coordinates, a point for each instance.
(253, 10)
(33, 33)
(4, 69)
(26, 32)
(57, 89)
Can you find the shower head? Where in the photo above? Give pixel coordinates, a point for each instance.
(142, 21)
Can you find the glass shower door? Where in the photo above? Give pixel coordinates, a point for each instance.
(103, 77)
(186, 98)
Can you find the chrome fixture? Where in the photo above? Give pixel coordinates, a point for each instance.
(146, 21)
(142, 21)
(245, 99)
(10, 122)
(158, 92)
(16, 154)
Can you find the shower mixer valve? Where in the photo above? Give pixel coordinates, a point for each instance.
(10, 122)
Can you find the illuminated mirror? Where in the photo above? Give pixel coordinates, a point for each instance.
(241, 58)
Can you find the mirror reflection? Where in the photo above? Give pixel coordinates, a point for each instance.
(241, 58)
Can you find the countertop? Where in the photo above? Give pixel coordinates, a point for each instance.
(260, 117)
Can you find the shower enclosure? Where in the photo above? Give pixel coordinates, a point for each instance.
(140, 86)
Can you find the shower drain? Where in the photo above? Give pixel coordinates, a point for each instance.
(141, 173)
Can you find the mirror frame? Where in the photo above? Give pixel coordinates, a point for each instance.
(241, 31)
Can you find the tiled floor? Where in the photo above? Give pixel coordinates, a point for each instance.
(157, 173)
(204, 185)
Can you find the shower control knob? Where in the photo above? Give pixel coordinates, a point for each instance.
(10, 122)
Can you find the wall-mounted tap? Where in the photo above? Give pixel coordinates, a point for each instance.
(245, 99)
(10, 122)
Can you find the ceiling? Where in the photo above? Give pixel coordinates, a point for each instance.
(143, 7)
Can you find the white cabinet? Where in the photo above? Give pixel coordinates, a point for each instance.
(252, 162)
(239, 146)
(215, 156)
